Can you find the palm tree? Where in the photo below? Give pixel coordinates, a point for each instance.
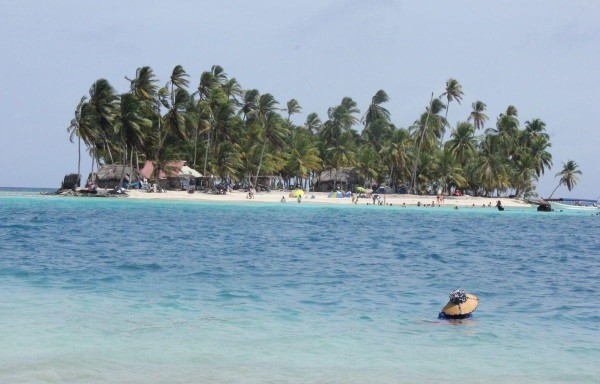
(313, 123)
(273, 131)
(453, 93)
(421, 129)
(81, 126)
(343, 153)
(103, 104)
(368, 163)
(143, 84)
(478, 114)
(462, 143)
(292, 107)
(129, 125)
(449, 170)
(174, 120)
(303, 155)
(397, 154)
(542, 159)
(568, 176)
(375, 111)
(233, 90)
(490, 168)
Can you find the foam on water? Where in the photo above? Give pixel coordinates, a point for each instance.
(96, 290)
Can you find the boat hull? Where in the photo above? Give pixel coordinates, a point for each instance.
(571, 207)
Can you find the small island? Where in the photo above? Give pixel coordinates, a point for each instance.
(216, 138)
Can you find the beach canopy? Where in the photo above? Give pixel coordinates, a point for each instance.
(361, 190)
(338, 194)
(296, 193)
(187, 171)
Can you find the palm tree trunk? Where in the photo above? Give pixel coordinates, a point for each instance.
(131, 168)
(262, 152)
(559, 184)
(445, 121)
(79, 161)
(93, 158)
(414, 172)
(195, 147)
(108, 149)
(206, 151)
(123, 166)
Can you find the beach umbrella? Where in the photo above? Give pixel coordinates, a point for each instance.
(361, 190)
(296, 193)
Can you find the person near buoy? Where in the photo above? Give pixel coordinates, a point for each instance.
(461, 305)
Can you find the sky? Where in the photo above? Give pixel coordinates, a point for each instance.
(541, 56)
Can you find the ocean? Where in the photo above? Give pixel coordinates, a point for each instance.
(99, 290)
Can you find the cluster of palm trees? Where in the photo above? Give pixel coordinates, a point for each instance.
(221, 129)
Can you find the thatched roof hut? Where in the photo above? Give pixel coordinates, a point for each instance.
(346, 178)
(109, 175)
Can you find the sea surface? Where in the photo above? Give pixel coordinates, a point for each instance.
(97, 290)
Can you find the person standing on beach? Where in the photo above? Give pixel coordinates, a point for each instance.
(299, 199)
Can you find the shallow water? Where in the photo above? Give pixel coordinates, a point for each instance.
(101, 290)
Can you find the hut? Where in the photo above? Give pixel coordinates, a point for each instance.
(177, 175)
(109, 176)
(345, 178)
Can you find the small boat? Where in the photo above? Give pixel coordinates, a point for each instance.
(577, 205)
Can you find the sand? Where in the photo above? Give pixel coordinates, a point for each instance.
(321, 198)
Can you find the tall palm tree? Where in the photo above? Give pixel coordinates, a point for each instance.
(568, 176)
(313, 123)
(343, 153)
(273, 132)
(453, 93)
(103, 103)
(375, 111)
(538, 150)
(490, 167)
(292, 107)
(535, 128)
(129, 124)
(143, 84)
(397, 154)
(478, 114)
(81, 126)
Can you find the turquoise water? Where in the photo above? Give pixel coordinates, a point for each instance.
(100, 290)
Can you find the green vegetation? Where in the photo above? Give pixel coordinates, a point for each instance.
(221, 129)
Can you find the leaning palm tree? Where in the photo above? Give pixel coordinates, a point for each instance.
(453, 93)
(568, 176)
(478, 114)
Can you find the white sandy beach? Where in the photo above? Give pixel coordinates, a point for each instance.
(322, 198)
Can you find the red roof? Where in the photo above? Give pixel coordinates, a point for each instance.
(175, 168)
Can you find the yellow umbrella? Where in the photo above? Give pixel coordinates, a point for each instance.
(296, 193)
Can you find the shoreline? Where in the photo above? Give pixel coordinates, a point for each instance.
(321, 198)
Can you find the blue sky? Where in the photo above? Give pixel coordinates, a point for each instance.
(541, 56)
